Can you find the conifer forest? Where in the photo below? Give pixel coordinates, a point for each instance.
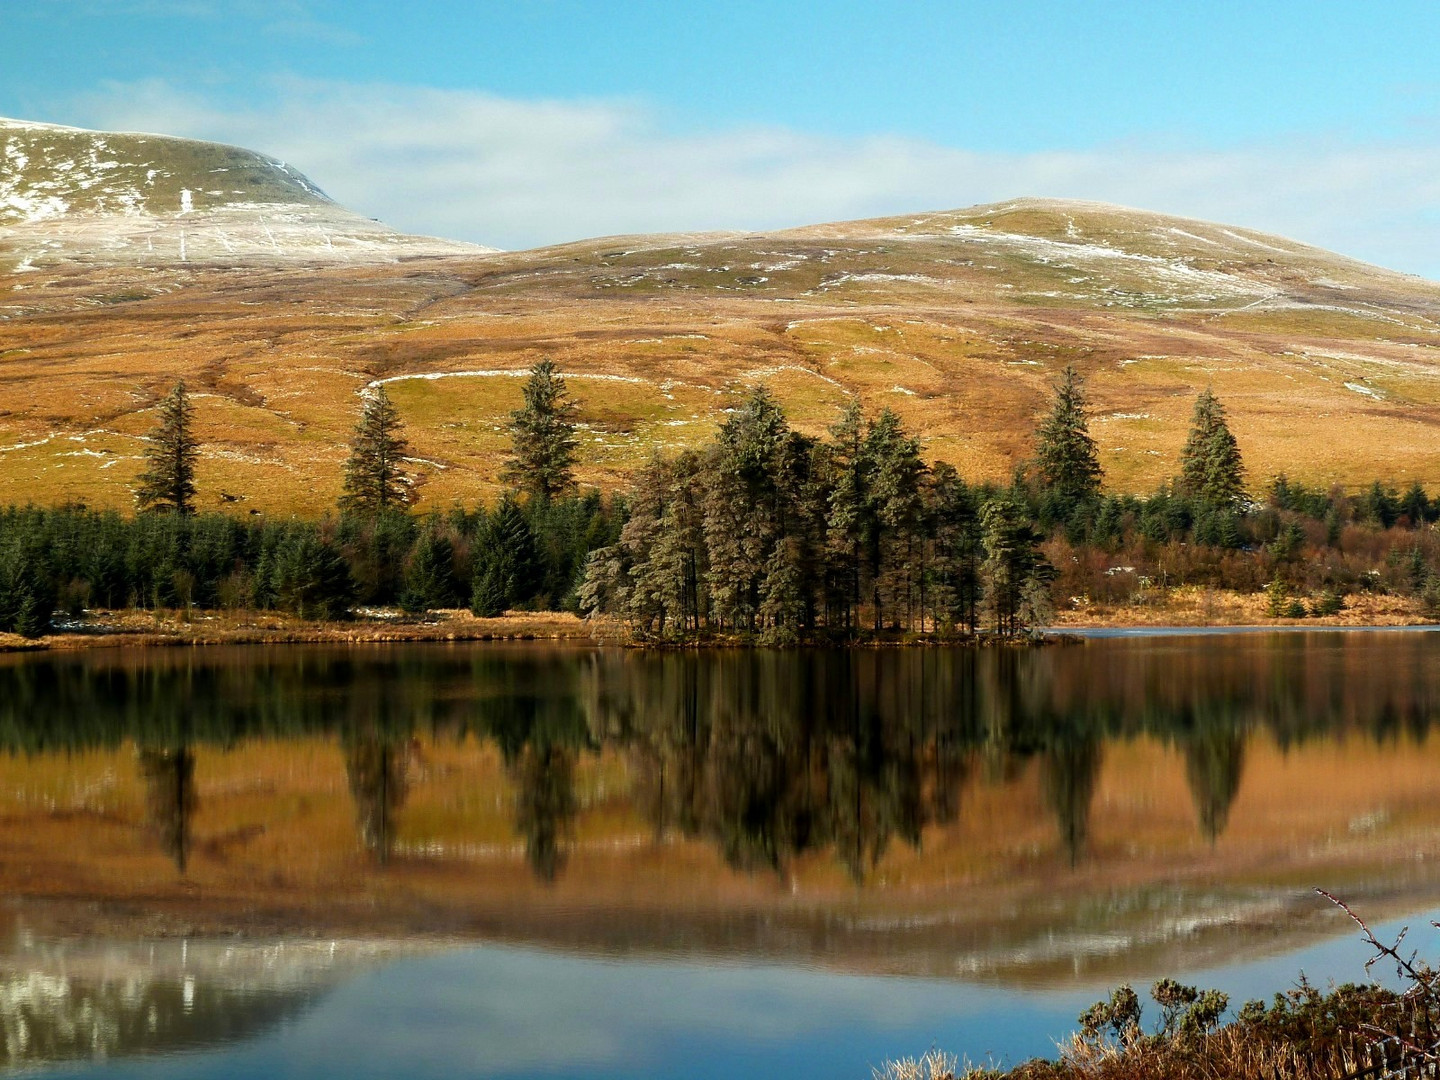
(765, 534)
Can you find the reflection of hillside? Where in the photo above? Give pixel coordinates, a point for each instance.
(62, 1004)
(1016, 815)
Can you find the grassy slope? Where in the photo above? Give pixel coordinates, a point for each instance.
(957, 320)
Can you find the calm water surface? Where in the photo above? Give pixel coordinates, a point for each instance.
(533, 861)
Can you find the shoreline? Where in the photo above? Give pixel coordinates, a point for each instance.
(147, 630)
(173, 629)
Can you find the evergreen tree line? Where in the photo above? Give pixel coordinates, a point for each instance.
(527, 551)
(512, 555)
(769, 533)
(766, 532)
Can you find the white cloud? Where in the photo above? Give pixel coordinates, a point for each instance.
(521, 173)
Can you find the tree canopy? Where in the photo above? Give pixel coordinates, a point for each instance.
(772, 533)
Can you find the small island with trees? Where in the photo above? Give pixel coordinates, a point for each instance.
(765, 536)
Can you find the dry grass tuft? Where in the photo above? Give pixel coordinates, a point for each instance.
(934, 1065)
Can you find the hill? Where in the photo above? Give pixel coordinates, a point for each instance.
(69, 195)
(958, 320)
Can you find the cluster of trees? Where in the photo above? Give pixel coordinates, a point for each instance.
(70, 559)
(527, 550)
(773, 533)
(765, 533)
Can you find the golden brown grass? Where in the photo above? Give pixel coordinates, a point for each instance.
(1195, 605)
(965, 354)
(108, 629)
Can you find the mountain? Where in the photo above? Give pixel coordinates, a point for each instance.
(958, 320)
(69, 195)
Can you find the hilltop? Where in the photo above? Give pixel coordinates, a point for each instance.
(68, 195)
(959, 320)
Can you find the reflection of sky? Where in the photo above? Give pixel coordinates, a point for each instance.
(514, 1012)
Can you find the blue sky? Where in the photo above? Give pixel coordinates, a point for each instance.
(535, 121)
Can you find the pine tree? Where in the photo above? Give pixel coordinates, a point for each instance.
(309, 578)
(26, 599)
(745, 507)
(897, 509)
(1415, 505)
(543, 434)
(955, 565)
(168, 484)
(505, 571)
(1015, 573)
(1066, 462)
(373, 482)
(1210, 466)
(430, 575)
(849, 524)
(782, 596)
(490, 596)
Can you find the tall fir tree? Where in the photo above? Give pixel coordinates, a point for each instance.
(373, 479)
(897, 510)
(955, 565)
(849, 525)
(543, 434)
(1015, 573)
(505, 570)
(430, 574)
(168, 483)
(1066, 462)
(745, 506)
(1210, 467)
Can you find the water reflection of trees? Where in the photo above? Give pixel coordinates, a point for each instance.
(1214, 761)
(378, 771)
(1069, 770)
(770, 755)
(767, 756)
(545, 805)
(168, 776)
(533, 712)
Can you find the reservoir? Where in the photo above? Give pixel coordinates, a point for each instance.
(529, 860)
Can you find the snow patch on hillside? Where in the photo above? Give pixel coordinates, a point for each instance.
(1366, 390)
(1171, 272)
(491, 373)
(69, 196)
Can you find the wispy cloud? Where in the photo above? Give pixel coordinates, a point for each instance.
(295, 19)
(196, 9)
(518, 173)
